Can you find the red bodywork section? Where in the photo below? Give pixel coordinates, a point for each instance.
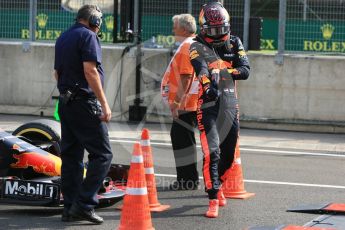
(47, 164)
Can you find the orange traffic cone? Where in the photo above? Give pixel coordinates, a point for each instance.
(155, 206)
(136, 213)
(233, 186)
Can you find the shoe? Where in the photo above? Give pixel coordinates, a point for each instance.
(65, 217)
(213, 208)
(89, 215)
(221, 198)
(184, 185)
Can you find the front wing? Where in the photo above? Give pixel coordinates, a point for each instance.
(29, 192)
(47, 192)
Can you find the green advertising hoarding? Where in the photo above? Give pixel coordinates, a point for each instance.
(309, 35)
(50, 24)
(316, 36)
(269, 34)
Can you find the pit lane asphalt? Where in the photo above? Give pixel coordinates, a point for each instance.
(284, 169)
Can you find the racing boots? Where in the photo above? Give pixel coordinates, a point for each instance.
(221, 198)
(213, 208)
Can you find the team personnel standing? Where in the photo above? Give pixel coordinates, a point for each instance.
(180, 86)
(83, 111)
(219, 60)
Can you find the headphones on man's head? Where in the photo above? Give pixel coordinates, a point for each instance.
(91, 13)
(95, 18)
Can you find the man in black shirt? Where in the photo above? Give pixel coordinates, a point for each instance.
(83, 111)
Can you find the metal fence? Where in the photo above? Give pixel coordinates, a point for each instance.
(316, 26)
(157, 16)
(48, 18)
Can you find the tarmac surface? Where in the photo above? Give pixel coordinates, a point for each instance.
(283, 169)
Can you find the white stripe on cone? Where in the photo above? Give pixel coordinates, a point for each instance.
(238, 161)
(149, 171)
(136, 191)
(137, 159)
(145, 142)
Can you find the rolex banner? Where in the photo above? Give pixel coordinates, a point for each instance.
(50, 24)
(315, 36)
(309, 35)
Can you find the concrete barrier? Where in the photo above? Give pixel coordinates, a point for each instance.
(304, 90)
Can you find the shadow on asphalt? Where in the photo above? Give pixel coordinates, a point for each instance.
(32, 212)
(167, 189)
(42, 216)
(184, 197)
(171, 212)
(178, 212)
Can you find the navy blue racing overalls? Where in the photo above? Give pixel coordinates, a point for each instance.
(218, 68)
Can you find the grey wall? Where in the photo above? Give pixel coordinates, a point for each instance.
(308, 88)
(305, 87)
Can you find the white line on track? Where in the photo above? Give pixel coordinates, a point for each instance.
(293, 152)
(261, 151)
(281, 152)
(273, 182)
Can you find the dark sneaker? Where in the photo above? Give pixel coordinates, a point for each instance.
(89, 215)
(65, 215)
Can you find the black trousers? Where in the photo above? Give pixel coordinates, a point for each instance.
(219, 127)
(82, 129)
(184, 146)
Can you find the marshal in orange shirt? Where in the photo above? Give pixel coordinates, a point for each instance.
(180, 65)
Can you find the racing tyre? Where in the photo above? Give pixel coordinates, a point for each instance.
(42, 132)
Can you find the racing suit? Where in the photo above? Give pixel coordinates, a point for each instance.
(217, 114)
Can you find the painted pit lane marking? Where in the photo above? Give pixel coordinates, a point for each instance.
(280, 152)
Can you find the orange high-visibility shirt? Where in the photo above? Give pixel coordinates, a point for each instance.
(180, 65)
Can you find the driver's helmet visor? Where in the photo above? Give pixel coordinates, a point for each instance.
(217, 31)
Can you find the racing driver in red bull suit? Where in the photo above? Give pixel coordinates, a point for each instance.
(218, 59)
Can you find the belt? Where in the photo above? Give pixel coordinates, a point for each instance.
(79, 96)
